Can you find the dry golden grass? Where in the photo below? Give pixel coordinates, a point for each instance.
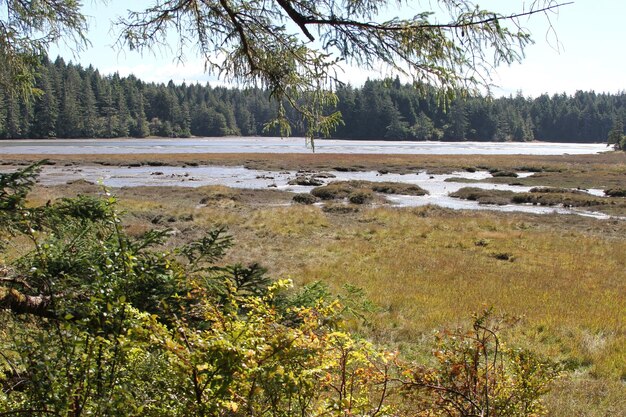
(430, 268)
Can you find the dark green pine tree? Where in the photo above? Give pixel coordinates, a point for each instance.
(617, 136)
(108, 111)
(424, 128)
(88, 125)
(123, 119)
(398, 128)
(139, 128)
(457, 124)
(13, 117)
(45, 106)
(244, 118)
(184, 121)
(69, 108)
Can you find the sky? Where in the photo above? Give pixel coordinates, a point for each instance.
(587, 52)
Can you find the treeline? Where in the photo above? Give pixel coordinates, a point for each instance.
(390, 110)
(76, 102)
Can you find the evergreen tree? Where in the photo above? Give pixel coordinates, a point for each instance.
(424, 128)
(108, 111)
(617, 136)
(45, 108)
(68, 124)
(456, 126)
(88, 125)
(13, 117)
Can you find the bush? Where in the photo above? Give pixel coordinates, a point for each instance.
(117, 326)
(478, 375)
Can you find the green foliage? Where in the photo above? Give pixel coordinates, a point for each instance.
(97, 323)
(27, 29)
(14, 188)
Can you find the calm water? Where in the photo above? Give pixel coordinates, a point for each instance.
(288, 145)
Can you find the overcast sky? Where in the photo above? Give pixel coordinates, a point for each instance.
(589, 54)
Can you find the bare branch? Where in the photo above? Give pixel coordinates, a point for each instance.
(19, 303)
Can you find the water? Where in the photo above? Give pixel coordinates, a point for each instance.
(288, 145)
(240, 177)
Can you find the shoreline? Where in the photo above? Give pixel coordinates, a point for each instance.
(360, 162)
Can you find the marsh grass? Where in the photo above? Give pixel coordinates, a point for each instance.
(361, 192)
(425, 272)
(544, 196)
(428, 268)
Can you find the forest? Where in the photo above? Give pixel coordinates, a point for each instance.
(76, 102)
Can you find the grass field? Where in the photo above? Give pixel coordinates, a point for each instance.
(429, 268)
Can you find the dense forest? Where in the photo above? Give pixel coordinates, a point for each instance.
(77, 102)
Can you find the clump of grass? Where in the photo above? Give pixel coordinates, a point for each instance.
(154, 163)
(397, 188)
(304, 198)
(343, 189)
(615, 192)
(528, 168)
(360, 196)
(292, 220)
(554, 198)
(558, 190)
(216, 193)
(543, 196)
(503, 256)
(333, 191)
(483, 196)
(498, 173)
(462, 180)
(305, 180)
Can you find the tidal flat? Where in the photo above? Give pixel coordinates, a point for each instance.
(422, 268)
(506, 179)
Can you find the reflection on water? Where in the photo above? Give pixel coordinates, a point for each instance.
(240, 177)
(288, 145)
